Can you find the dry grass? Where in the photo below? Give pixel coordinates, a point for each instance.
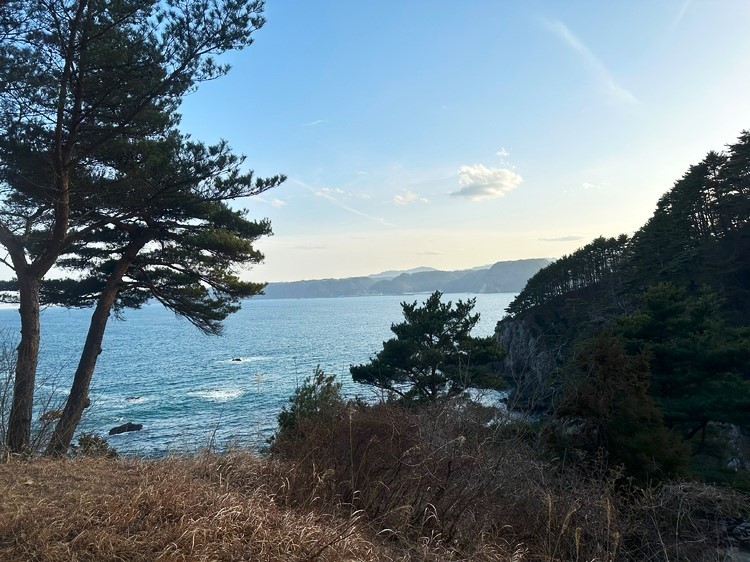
(383, 483)
(96, 509)
(443, 475)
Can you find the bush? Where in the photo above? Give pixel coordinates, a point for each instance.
(318, 400)
(442, 474)
(92, 445)
(608, 392)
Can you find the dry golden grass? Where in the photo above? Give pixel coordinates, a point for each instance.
(96, 509)
(383, 483)
(212, 507)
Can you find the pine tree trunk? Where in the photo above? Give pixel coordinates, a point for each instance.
(19, 422)
(79, 391)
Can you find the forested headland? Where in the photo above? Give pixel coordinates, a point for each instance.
(646, 338)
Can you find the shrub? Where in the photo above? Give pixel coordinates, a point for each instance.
(452, 473)
(93, 445)
(318, 400)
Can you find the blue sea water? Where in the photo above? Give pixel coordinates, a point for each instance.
(191, 390)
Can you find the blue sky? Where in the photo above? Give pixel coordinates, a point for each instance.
(455, 134)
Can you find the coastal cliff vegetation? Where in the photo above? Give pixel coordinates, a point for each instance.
(644, 340)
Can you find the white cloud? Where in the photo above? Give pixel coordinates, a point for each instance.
(278, 203)
(480, 183)
(316, 122)
(595, 66)
(502, 153)
(328, 191)
(409, 197)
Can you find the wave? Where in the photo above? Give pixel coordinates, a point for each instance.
(218, 394)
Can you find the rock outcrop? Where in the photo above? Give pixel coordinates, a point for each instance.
(126, 427)
(529, 363)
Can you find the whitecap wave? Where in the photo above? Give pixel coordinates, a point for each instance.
(218, 394)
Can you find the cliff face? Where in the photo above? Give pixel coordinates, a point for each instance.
(540, 340)
(530, 362)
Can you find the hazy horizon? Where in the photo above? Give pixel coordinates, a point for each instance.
(410, 270)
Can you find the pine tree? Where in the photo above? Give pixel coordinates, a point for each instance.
(79, 81)
(433, 354)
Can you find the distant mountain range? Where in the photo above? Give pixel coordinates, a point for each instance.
(501, 277)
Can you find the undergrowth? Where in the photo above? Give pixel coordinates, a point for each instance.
(450, 481)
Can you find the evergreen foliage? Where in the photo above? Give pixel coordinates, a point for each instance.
(698, 364)
(433, 354)
(657, 327)
(593, 264)
(96, 179)
(698, 234)
(317, 400)
(608, 388)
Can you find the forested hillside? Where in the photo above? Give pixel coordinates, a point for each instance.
(647, 338)
(699, 234)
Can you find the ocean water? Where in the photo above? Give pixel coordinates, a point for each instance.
(191, 391)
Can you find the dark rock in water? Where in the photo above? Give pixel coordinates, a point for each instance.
(132, 398)
(238, 359)
(124, 428)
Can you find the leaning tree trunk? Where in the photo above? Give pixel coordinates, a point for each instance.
(79, 391)
(18, 437)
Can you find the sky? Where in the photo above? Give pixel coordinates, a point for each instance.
(458, 134)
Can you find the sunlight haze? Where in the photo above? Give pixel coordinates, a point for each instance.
(453, 135)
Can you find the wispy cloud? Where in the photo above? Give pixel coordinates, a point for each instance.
(316, 122)
(429, 253)
(592, 62)
(480, 183)
(408, 196)
(334, 196)
(328, 191)
(502, 153)
(681, 14)
(569, 238)
(278, 203)
(309, 247)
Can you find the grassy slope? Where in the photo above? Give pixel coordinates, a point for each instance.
(237, 507)
(96, 509)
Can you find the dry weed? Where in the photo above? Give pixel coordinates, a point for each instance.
(96, 509)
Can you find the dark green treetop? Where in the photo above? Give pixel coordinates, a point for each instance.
(433, 354)
(593, 264)
(173, 204)
(698, 364)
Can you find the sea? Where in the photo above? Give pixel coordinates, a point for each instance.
(192, 391)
